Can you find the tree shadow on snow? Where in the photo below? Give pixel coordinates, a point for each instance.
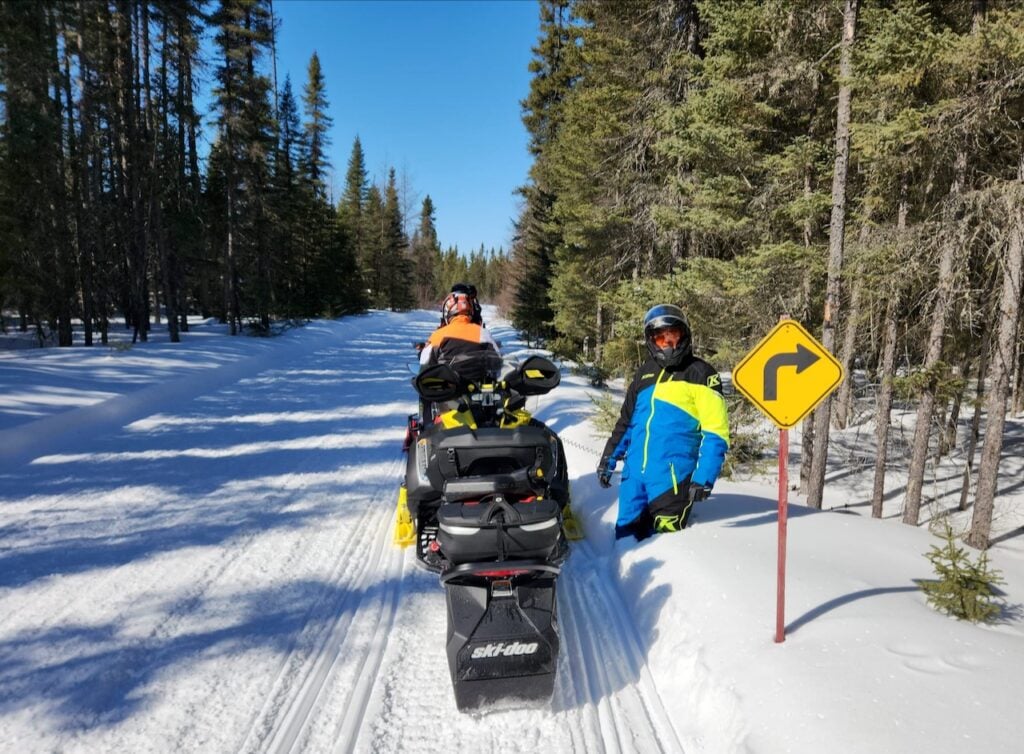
(91, 677)
(269, 453)
(746, 510)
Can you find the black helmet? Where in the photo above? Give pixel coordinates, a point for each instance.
(469, 290)
(662, 316)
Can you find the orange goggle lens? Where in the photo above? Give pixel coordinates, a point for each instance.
(667, 338)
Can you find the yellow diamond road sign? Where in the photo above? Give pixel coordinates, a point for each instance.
(787, 374)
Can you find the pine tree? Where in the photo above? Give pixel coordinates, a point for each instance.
(554, 68)
(425, 255)
(397, 271)
(245, 121)
(965, 589)
(35, 192)
(351, 211)
(317, 126)
(293, 261)
(837, 239)
(373, 235)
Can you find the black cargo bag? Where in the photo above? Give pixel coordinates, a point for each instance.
(497, 529)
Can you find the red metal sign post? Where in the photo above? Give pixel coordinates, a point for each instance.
(785, 376)
(780, 607)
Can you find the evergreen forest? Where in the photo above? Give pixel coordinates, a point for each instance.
(857, 165)
(111, 207)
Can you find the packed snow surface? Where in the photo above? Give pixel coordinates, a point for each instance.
(196, 555)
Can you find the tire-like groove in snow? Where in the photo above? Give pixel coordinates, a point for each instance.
(288, 718)
(575, 677)
(629, 709)
(347, 733)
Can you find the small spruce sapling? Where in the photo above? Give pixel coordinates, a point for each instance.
(964, 589)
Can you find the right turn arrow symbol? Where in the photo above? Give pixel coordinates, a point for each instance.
(802, 359)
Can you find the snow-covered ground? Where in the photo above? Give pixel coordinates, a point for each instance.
(195, 555)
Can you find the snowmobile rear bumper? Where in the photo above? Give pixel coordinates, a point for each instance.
(502, 636)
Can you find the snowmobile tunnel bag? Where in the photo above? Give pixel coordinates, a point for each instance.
(490, 451)
(498, 529)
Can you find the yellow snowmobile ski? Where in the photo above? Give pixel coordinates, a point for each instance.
(571, 525)
(405, 530)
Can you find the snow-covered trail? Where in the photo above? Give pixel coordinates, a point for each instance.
(206, 565)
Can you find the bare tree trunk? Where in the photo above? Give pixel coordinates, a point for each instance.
(844, 402)
(807, 427)
(884, 405)
(837, 227)
(926, 404)
(1003, 356)
(85, 205)
(1017, 404)
(166, 251)
(947, 438)
(972, 438)
(78, 174)
(56, 211)
(806, 453)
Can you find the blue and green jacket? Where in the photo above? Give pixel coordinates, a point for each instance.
(673, 426)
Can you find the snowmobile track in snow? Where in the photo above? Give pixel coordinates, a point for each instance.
(619, 704)
(308, 671)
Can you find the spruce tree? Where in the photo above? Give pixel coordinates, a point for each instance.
(351, 210)
(245, 123)
(398, 270)
(293, 261)
(554, 68)
(425, 256)
(317, 126)
(965, 589)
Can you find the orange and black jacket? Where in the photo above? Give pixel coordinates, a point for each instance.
(460, 336)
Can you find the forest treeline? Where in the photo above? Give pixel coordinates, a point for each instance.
(855, 164)
(110, 206)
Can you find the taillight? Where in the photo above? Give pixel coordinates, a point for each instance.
(502, 574)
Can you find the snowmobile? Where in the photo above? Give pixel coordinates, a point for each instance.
(485, 488)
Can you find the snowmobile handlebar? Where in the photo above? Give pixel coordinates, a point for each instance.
(478, 376)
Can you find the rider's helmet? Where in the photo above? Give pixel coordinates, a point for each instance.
(469, 291)
(667, 334)
(455, 304)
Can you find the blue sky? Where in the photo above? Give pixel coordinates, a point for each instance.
(432, 88)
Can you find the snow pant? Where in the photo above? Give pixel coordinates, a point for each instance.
(642, 514)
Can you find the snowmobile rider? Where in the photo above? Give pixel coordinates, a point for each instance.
(673, 431)
(462, 330)
(470, 290)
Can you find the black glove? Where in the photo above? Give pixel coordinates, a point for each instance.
(698, 492)
(604, 472)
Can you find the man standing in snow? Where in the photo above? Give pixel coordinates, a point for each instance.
(673, 432)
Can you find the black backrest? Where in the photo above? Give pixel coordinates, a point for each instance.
(490, 450)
